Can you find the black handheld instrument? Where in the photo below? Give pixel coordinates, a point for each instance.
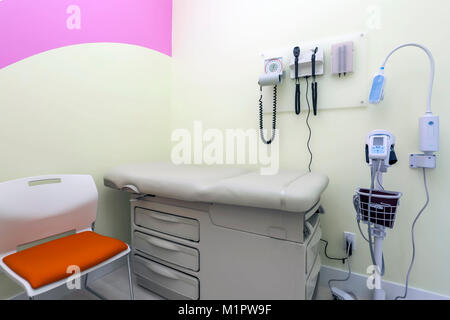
(314, 83)
(297, 81)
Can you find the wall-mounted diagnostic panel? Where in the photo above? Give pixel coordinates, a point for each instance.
(335, 70)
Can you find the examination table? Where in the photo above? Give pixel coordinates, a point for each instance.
(201, 232)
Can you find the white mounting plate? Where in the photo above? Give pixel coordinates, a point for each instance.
(417, 161)
(351, 91)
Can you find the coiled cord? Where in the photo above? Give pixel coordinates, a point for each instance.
(274, 116)
(309, 127)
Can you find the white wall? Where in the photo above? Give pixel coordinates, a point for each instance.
(216, 64)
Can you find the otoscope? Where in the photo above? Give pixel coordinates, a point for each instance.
(297, 81)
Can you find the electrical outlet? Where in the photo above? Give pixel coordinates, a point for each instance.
(349, 237)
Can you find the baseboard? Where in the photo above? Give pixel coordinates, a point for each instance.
(357, 286)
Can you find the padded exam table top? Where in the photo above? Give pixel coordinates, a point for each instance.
(292, 191)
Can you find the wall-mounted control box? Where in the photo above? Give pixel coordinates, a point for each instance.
(342, 58)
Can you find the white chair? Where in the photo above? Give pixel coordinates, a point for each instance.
(35, 208)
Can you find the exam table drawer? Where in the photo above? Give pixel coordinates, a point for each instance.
(312, 250)
(165, 281)
(312, 279)
(167, 250)
(181, 227)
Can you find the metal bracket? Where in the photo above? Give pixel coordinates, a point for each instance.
(422, 161)
(379, 231)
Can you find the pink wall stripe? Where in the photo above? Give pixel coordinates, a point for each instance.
(29, 27)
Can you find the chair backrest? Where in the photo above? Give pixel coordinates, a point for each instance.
(39, 207)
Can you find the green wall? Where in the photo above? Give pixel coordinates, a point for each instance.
(87, 108)
(83, 110)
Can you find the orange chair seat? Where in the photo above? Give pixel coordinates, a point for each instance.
(47, 263)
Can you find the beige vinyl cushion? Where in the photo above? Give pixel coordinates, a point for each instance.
(292, 191)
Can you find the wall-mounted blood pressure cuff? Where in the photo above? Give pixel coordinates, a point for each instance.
(270, 79)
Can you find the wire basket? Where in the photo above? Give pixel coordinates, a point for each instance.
(383, 206)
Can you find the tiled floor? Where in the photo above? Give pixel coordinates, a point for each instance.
(114, 286)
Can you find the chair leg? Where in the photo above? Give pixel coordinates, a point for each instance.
(129, 278)
(102, 297)
(92, 291)
(86, 280)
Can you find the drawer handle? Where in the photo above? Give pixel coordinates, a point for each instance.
(314, 240)
(161, 271)
(309, 226)
(162, 244)
(128, 187)
(165, 218)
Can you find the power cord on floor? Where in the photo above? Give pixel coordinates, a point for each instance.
(333, 258)
(412, 235)
(349, 253)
